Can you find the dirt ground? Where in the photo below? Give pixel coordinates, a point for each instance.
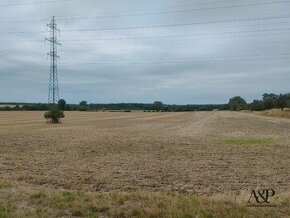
(203, 153)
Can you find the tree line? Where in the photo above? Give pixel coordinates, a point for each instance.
(269, 101)
(85, 106)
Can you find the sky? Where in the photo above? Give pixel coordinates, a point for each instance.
(174, 51)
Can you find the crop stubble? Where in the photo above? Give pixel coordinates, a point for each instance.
(184, 152)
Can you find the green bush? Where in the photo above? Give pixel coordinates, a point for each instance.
(54, 115)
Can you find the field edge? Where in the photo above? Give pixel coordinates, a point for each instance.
(23, 201)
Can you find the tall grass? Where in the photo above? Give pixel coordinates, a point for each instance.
(275, 113)
(54, 203)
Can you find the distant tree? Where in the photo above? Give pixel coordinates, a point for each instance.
(83, 106)
(269, 104)
(287, 100)
(271, 95)
(166, 109)
(257, 105)
(36, 107)
(269, 100)
(54, 115)
(158, 105)
(17, 108)
(61, 104)
(237, 103)
(7, 108)
(281, 101)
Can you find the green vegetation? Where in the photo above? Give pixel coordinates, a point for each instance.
(54, 115)
(237, 103)
(6, 208)
(158, 105)
(83, 106)
(61, 104)
(271, 101)
(268, 102)
(248, 141)
(4, 185)
(51, 203)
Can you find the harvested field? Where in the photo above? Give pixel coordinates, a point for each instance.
(275, 113)
(204, 154)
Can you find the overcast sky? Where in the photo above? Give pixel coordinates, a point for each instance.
(175, 51)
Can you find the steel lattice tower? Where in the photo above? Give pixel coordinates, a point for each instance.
(53, 95)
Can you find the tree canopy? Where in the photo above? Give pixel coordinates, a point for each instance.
(158, 105)
(238, 103)
(61, 104)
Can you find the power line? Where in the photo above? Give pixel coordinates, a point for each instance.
(161, 61)
(215, 43)
(183, 24)
(186, 61)
(158, 8)
(174, 11)
(33, 3)
(73, 17)
(177, 62)
(212, 57)
(181, 60)
(84, 16)
(22, 32)
(187, 35)
(108, 40)
(160, 26)
(194, 4)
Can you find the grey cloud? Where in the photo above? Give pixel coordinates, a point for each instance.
(215, 74)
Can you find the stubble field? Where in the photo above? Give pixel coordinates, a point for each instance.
(178, 164)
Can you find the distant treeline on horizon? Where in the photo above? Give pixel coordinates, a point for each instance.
(237, 103)
(83, 106)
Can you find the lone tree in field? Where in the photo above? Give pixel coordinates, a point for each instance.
(54, 115)
(238, 103)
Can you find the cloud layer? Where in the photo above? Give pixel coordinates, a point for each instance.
(216, 56)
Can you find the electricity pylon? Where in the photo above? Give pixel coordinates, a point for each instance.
(53, 95)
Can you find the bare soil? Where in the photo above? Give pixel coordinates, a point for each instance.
(164, 152)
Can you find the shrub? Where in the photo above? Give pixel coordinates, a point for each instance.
(54, 115)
